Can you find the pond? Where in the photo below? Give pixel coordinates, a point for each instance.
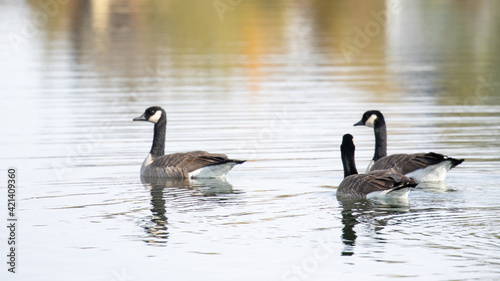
(276, 83)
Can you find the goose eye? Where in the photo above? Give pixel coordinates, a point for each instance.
(151, 112)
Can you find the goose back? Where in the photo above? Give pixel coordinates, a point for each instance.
(360, 186)
(407, 163)
(180, 165)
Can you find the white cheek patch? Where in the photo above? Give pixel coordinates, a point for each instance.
(154, 118)
(371, 121)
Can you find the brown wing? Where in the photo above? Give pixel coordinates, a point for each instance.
(191, 161)
(407, 163)
(360, 185)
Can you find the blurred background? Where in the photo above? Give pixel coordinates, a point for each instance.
(114, 43)
(275, 82)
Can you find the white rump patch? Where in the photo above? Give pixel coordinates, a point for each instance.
(389, 194)
(432, 173)
(214, 171)
(155, 117)
(371, 121)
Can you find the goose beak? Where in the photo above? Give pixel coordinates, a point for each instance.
(360, 123)
(140, 118)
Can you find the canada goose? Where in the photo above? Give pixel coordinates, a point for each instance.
(374, 184)
(423, 167)
(194, 164)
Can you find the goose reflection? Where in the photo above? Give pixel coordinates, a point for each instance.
(179, 194)
(436, 187)
(374, 215)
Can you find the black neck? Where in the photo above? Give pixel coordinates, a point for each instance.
(380, 139)
(347, 155)
(158, 148)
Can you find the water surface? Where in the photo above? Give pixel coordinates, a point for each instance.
(273, 82)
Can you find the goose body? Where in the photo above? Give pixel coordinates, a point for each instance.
(379, 184)
(194, 164)
(423, 167)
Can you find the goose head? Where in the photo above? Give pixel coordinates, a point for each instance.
(371, 118)
(347, 142)
(347, 149)
(152, 114)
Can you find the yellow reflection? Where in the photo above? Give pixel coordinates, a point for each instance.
(100, 22)
(378, 46)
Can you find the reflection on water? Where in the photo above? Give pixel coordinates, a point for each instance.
(157, 229)
(348, 233)
(437, 187)
(180, 194)
(275, 82)
(370, 214)
(390, 41)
